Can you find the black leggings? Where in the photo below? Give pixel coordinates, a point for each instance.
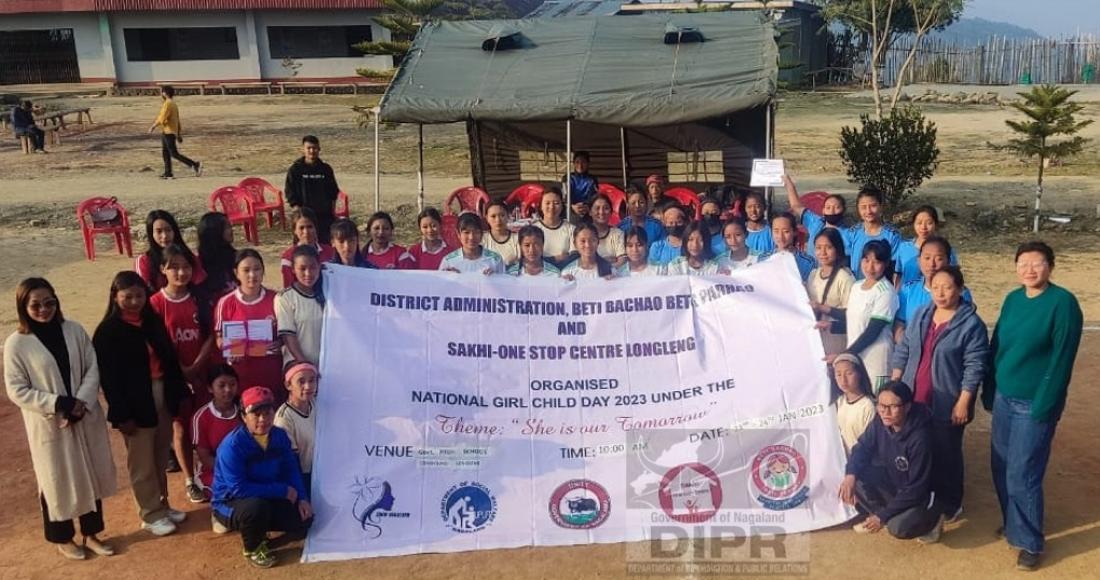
(168, 151)
(254, 517)
(91, 524)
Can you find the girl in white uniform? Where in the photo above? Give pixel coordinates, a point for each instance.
(588, 265)
(637, 255)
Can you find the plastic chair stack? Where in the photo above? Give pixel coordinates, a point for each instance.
(618, 202)
(236, 204)
(266, 199)
(525, 197)
(342, 205)
(469, 198)
(104, 216)
(687, 198)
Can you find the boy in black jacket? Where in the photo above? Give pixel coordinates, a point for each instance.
(890, 471)
(311, 183)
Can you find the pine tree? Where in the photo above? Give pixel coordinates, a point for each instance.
(1049, 114)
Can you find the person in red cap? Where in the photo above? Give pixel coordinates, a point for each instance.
(655, 189)
(257, 481)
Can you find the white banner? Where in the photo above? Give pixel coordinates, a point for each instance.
(465, 412)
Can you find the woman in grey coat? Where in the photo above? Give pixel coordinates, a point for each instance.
(943, 354)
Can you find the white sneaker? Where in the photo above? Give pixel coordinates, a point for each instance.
(177, 516)
(161, 527)
(217, 526)
(933, 536)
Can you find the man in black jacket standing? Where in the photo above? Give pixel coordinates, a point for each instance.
(311, 183)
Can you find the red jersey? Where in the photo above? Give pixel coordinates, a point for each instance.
(424, 259)
(181, 318)
(325, 251)
(155, 279)
(388, 260)
(264, 371)
(208, 428)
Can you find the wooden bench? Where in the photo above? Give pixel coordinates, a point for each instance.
(196, 86)
(255, 85)
(283, 86)
(57, 119)
(53, 137)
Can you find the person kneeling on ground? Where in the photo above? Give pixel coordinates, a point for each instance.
(257, 482)
(889, 473)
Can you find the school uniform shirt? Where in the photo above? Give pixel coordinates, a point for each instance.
(654, 229)
(208, 428)
(388, 259)
(907, 262)
(879, 302)
(650, 269)
(181, 319)
(814, 224)
(264, 371)
(760, 240)
(856, 237)
(508, 249)
(325, 254)
(804, 261)
(853, 419)
(835, 338)
(612, 245)
(300, 428)
(558, 240)
(662, 252)
(300, 315)
(681, 266)
(914, 295)
(574, 269)
(424, 259)
(155, 279)
(548, 270)
(726, 262)
(489, 260)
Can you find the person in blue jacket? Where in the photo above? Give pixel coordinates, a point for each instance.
(257, 481)
(943, 354)
(890, 470)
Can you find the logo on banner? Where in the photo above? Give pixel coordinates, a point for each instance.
(373, 502)
(580, 504)
(690, 493)
(468, 507)
(779, 474)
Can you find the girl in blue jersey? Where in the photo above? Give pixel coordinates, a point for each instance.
(935, 255)
(871, 227)
(697, 258)
(756, 212)
(784, 231)
(711, 211)
(926, 221)
(531, 261)
(637, 255)
(674, 216)
(832, 211)
(588, 264)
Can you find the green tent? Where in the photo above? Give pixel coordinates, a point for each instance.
(683, 95)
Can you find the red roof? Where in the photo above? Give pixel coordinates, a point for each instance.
(39, 6)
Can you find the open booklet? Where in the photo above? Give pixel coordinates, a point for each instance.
(247, 338)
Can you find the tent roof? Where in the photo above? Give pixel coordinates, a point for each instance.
(614, 70)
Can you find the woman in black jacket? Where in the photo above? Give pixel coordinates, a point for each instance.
(143, 383)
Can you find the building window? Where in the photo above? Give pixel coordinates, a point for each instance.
(159, 44)
(316, 41)
(696, 167)
(541, 165)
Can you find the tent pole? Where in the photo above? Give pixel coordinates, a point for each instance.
(377, 157)
(420, 167)
(622, 148)
(568, 169)
(768, 147)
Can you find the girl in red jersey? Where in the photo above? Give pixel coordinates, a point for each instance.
(305, 234)
(381, 251)
(430, 251)
(187, 319)
(162, 231)
(244, 324)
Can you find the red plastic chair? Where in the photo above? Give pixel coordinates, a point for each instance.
(104, 216)
(449, 230)
(814, 201)
(236, 204)
(526, 197)
(257, 187)
(342, 205)
(618, 202)
(687, 198)
(469, 198)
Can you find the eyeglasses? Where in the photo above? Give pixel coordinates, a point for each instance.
(889, 408)
(1025, 266)
(44, 305)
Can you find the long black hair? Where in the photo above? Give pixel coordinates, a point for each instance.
(529, 232)
(217, 254)
(603, 267)
(155, 251)
(151, 324)
(880, 249)
(704, 232)
(837, 241)
(205, 311)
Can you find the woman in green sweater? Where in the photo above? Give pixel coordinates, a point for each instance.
(1034, 346)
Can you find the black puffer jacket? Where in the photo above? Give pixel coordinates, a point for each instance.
(906, 456)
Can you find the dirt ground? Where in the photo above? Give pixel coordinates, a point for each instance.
(240, 136)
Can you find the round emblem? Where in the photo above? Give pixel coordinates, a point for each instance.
(580, 504)
(468, 507)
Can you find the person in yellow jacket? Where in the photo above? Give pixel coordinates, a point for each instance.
(169, 123)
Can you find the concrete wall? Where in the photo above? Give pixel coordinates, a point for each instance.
(93, 51)
(246, 67)
(318, 68)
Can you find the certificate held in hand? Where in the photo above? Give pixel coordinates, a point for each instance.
(246, 338)
(767, 173)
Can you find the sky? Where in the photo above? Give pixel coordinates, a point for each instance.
(1047, 17)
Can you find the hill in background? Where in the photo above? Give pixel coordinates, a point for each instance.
(972, 31)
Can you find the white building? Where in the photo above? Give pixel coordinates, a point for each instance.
(142, 42)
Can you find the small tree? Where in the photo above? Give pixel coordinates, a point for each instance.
(1049, 114)
(894, 154)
